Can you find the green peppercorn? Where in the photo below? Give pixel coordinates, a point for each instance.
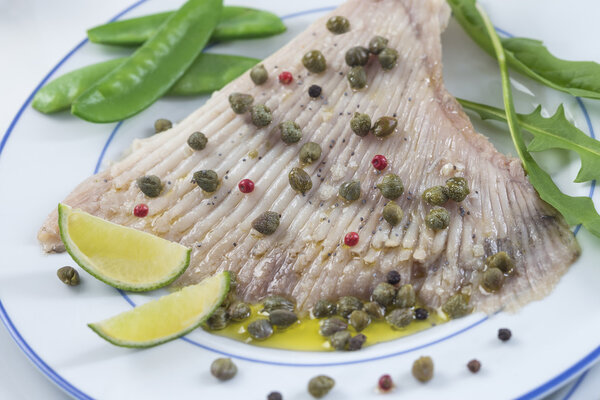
(357, 56)
(359, 319)
(406, 297)
(314, 61)
(422, 369)
(502, 261)
(373, 309)
(197, 141)
(436, 195)
(360, 124)
(68, 276)
(391, 186)
(282, 318)
(218, 320)
(400, 317)
(150, 185)
(260, 329)
(357, 77)
(437, 219)
(239, 311)
(350, 190)
(299, 180)
(347, 304)
(259, 74)
(357, 342)
(223, 369)
(457, 306)
(261, 115)
(392, 213)
(458, 188)
(272, 303)
(388, 58)
(377, 44)
(338, 25)
(240, 102)
(162, 125)
(385, 126)
(324, 308)
(266, 223)
(320, 385)
(492, 279)
(339, 340)
(207, 180)
(290, 132)
(330, 326)
(310, 152)
(384, 294)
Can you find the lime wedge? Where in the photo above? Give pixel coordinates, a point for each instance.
(166, 318)
(122, 257)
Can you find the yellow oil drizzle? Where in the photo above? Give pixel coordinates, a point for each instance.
(304, 335)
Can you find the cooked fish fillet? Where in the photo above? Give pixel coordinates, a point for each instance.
(305, 258)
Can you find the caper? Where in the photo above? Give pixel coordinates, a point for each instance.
(392, 213)
(502, 261)
(266, 223)
(324, 308)
(314, 61)
(320, 385)
(357, 56)
(207, 180)
(68, 276)
(357, 342)
(259, 74)
(240, 102)
(310, 152)
(359, 319)
(330, 326)
(373, 309)
(150, 185)
(299, 180)
(457, 306)
(197, 141)
(347, 304)
(223, 369)
(437, 219)
(391, 186)
(492, 279)
(422, 369)
(400, 317)
(458, 188)
(338, 25)
(406, 296)
(377, 44)
(436, 195)
(339, 340)
(357, 77)
(260, 329)
(161, 125)
(261, 115)
(388, 58)
(350, 190)
(290, 132)
(385, 126)
(272, 303)
(384, 294)
(360, 124)
(239, 311)
(282, 318)
(218, 320)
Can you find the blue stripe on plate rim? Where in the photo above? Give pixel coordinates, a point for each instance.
(75, 392)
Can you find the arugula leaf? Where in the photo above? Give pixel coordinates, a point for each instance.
(531, 57)
(576, 210)
(555, 132)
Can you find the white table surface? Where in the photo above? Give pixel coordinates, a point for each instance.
(35, 34)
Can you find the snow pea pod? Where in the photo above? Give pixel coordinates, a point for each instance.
(235, 23)
(153, 68)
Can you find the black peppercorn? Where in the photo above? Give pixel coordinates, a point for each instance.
(314, 91)
(421, 314)
(504, 334)
(474, 366)
(274, 396)
(393, 277)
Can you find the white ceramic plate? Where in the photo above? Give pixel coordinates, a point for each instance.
(42, 158)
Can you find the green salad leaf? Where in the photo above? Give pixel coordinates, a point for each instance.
(531, 57)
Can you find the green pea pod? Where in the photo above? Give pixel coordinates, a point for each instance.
(235, 23)
(154, 67)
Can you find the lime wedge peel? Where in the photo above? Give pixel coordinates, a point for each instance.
(122, 257)
(166, 318)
